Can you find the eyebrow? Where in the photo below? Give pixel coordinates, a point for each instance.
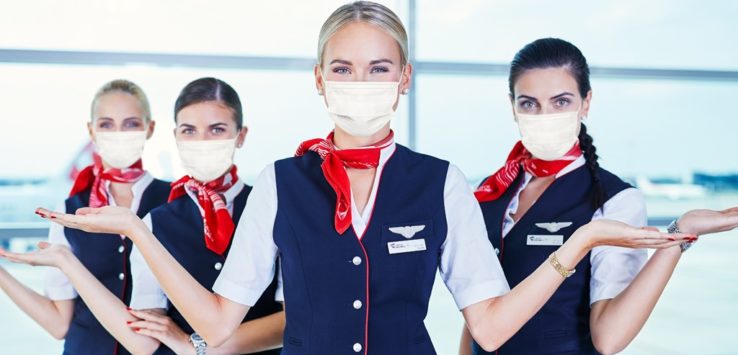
(373, 62)
(185, 125)
(565, 93)
(341, 61)
(526, 97)
(383, 60)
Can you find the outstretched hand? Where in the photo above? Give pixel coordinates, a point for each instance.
(704, 221)
(108, 219)
(46, 255)
(614, 233)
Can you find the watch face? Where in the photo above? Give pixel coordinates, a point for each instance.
(196, 337)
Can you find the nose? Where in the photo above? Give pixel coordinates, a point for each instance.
(361, 75)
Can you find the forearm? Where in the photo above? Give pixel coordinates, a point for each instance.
(107, 308)
(40, 308)
(497, 320)
(201, 308)
(615, 323)
(465, 342)
(257, 335)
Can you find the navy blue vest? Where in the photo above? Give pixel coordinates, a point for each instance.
(178, 226)
(562, 325)
(343, 293)
(106, 256)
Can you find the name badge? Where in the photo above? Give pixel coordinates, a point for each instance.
(406, 246)
(544, 239)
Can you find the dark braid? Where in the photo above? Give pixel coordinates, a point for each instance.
(597, 194)
(557, 53)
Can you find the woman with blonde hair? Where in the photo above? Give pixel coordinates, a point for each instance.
(119, 126)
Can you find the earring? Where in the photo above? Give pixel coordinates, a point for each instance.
(404, 91)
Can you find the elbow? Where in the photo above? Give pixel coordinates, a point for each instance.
(486, 342)
(606, 346)
(59, 332)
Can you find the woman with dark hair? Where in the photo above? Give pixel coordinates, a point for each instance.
(360, 225)
(196, 226)
(550, 186)
(120, 124)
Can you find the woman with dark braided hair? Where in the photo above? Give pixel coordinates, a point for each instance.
(550, 186)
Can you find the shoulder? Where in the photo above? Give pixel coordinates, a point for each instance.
(612, 183)
(414, 158)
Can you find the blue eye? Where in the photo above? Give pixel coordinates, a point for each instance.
(562, 102)
(187, 131)
(341, 70)
(380, 70)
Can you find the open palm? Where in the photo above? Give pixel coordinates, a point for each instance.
(46, 255)
(704, 221)
(108, 219)
(614, 233)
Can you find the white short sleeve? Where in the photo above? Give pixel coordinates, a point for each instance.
(613, 268)
(57, 286)
(146, 293)
(468, 264)
(250, 266)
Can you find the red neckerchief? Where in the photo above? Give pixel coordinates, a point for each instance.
(335, 162)
(499, 182)
(217, 222)
(94, 176)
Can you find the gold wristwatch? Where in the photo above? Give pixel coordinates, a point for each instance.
(554, 261)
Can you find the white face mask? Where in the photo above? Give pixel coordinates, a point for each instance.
(206, 160)
(549, 137)
(361, 108)
(120, 149)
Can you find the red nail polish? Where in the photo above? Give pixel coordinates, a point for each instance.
(136, 329)
(129, 308)
(128, 322)
(672, 239)
(52, 217)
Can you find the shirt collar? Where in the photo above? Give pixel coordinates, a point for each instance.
(137, 189)
(229, 194)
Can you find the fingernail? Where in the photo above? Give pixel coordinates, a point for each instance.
(136, 329)
(52, 216)
(672, 239)
(128, 322)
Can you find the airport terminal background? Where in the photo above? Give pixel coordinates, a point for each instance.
(664, 77)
